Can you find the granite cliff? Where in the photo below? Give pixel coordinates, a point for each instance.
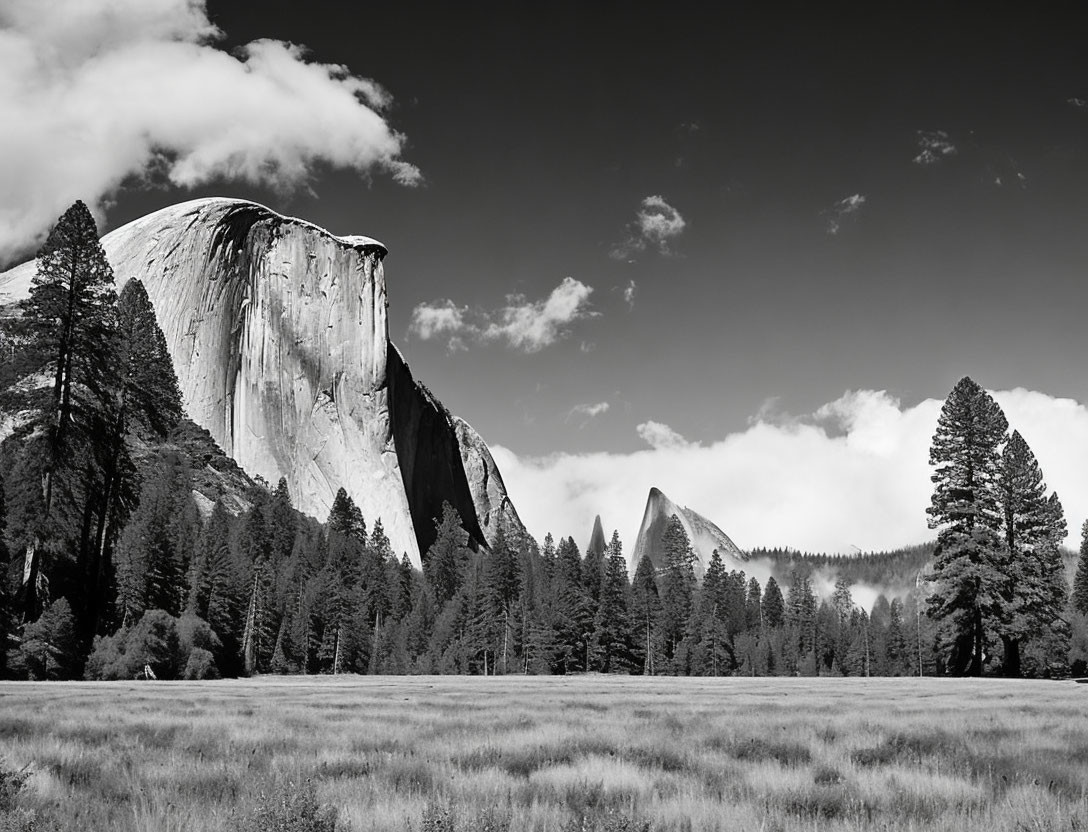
(705, 537)
(277, 330)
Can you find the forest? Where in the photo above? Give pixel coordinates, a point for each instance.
(132, 546)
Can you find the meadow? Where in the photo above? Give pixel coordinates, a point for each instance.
(452, 754)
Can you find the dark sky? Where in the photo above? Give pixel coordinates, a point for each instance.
(540, 133)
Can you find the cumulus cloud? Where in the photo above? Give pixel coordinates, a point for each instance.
(660, 436)
(655, 226)
(838, 213)
(1079, 103)
(629, 293)
(98, 93)
(933, 145)
(523, 324)
(586, 412)
(854, 473)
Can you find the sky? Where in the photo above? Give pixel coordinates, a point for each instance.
(742, 260)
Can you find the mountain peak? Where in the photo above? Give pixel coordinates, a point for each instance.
(704, 535)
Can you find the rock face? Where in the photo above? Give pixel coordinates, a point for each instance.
(705, 537)
(597, 543)
(278, 334)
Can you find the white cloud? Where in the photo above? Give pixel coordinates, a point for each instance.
(660, 436)
(629, 293)
(854, 473)
(933, 145)
(655, 225)
(95, 93)
(585, 412)
(1079, 103)
(525, 325)
(842, 209)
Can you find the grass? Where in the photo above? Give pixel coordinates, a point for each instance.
(572, 754)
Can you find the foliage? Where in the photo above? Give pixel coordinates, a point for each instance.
(971, 558)
(293, 808)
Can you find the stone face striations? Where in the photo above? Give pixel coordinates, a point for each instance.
(278, 334)
(705, 537)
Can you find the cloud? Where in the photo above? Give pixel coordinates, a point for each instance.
(97, 94)
(660, 436)
(933, 145)
(854, 473)
(525, 325)
(842, 209)
(655, 225)
(629, 293)
(1079, 103)
(586, 412)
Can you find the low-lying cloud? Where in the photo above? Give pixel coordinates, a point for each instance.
(854, 473)
(656, 224)
(97, 93)
(525, 325)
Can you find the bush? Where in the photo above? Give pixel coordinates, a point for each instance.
(201, 665)
(174, 647)
(293, 809)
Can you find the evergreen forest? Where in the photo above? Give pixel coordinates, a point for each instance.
(132, 547)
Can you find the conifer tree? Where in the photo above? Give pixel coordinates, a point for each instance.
(774, 607)
(574, 619)
(1033, 596)
(970, 559)
(677, 584)
(645, 609)
(50, 647)
(7, 610)
(612, 625)
(69, 317)
(500, 585)
(444, 562)
(1080, 581)
(754, 604)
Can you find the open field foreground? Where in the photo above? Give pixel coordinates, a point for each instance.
(440, 754)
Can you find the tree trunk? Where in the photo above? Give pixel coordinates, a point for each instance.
(1011, 665)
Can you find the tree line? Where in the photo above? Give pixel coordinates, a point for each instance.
(113, 569)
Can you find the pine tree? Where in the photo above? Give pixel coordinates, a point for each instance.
(499, 590)
(7, 610)
(612, 625)
(50, 647)
(69, 317)
(970, 558)
(1080, 582)
(774, 607)
(677, 584)
(753, 604)
(444, 561)
(645, 610)
(1033, 596)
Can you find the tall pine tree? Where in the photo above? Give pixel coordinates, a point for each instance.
(69, 318)
(1080, 582)
(1034, 593)
(970, 558)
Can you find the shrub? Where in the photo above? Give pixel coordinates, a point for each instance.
(201, 665)
(293, 809)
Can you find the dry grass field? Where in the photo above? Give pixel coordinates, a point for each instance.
(440, 754)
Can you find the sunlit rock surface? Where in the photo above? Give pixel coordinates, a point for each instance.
(278, 334)
(705, 537)
(597, 543)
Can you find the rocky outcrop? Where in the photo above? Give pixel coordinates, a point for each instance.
(493, 507)
(705, 537)
(277, 330)
(597, 543)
